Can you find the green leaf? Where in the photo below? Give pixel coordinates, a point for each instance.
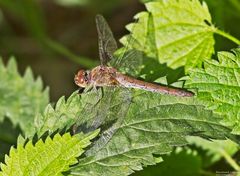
(64, 115)
(218, 86)
(177, 163)
(215, 149)
(176, 32)
(153, 124)
(89, 110)
(21, 98)
(51, 157)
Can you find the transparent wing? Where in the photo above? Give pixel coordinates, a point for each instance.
(129, 60)
(106, 42)
(131, 63)
(116, 105)
(103, 107)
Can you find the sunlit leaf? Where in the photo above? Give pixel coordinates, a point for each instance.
(218, 86)
(51, 157)
(176, 32)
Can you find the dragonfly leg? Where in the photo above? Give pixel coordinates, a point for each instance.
(74, 129)
(102, 92)
(81, 90)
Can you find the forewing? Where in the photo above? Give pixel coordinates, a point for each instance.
(106, 42)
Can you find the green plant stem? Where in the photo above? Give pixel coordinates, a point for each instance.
(57, 47)
(230, 160)
(228, 36)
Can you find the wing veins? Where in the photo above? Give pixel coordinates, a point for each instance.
(107, 43)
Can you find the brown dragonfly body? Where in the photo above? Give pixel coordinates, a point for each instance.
(108, 76)
(101, 76)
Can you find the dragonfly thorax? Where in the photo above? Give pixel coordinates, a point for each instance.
(82, 78)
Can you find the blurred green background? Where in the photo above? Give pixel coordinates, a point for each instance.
(56, 38)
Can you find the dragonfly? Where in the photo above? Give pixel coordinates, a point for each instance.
(108, 107)
(104, 75)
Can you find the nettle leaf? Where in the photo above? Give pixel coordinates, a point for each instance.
(176, 32)
(218, 86)
(153, 124)
(21, 98)
(88, 110)
(51, 157)
(63, 115)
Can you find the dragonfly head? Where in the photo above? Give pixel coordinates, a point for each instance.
(82, 78)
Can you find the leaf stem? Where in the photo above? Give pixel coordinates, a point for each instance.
(230, 160)
(228, 36)
(57, 47)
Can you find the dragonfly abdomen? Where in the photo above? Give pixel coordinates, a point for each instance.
(126, 81)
